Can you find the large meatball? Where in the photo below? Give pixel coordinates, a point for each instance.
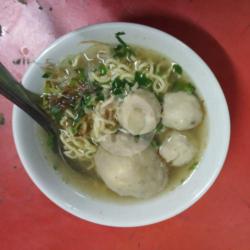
(181, 111)
(142, 175)
(125, 144)
(177, 149)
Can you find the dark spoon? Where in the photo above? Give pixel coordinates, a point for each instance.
(29, 103)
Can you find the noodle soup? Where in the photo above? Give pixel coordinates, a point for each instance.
(130, 119)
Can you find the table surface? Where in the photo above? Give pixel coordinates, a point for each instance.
(219, 31)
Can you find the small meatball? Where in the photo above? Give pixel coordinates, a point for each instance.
(181, 111)
(177, 149)
(140, 112)
(142, 175)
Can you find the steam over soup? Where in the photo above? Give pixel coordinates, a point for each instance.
(128, 116)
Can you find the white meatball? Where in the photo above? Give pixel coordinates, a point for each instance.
(177, 149)
(142, 175)
(140, 112)
(125, 144)
(181, 111)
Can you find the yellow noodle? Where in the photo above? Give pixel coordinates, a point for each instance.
(103, 117)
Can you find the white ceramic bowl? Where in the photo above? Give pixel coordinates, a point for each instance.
(152, 210)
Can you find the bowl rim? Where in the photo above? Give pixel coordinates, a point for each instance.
(61, 203)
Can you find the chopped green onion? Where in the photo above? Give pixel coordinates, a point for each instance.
(46, 75)
(99, 96)
(102, 69)
(87, 101)
(51, 142)
(117, 35)
(190, 88)
(50, 88)
(142, 80)
(118, 86)
(56, 113)
(177, 69)
(183, 86)
(193, 166)
(122, 49)
(79, 116)
(73, 82)
(155, 144)
(81, 74)
(159, 128)
(74, 129)
(70, 62)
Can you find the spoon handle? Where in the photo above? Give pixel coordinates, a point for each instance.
(24, 99)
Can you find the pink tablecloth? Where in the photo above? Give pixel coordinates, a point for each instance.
(217, 30)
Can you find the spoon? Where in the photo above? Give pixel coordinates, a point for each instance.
(29, 102)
